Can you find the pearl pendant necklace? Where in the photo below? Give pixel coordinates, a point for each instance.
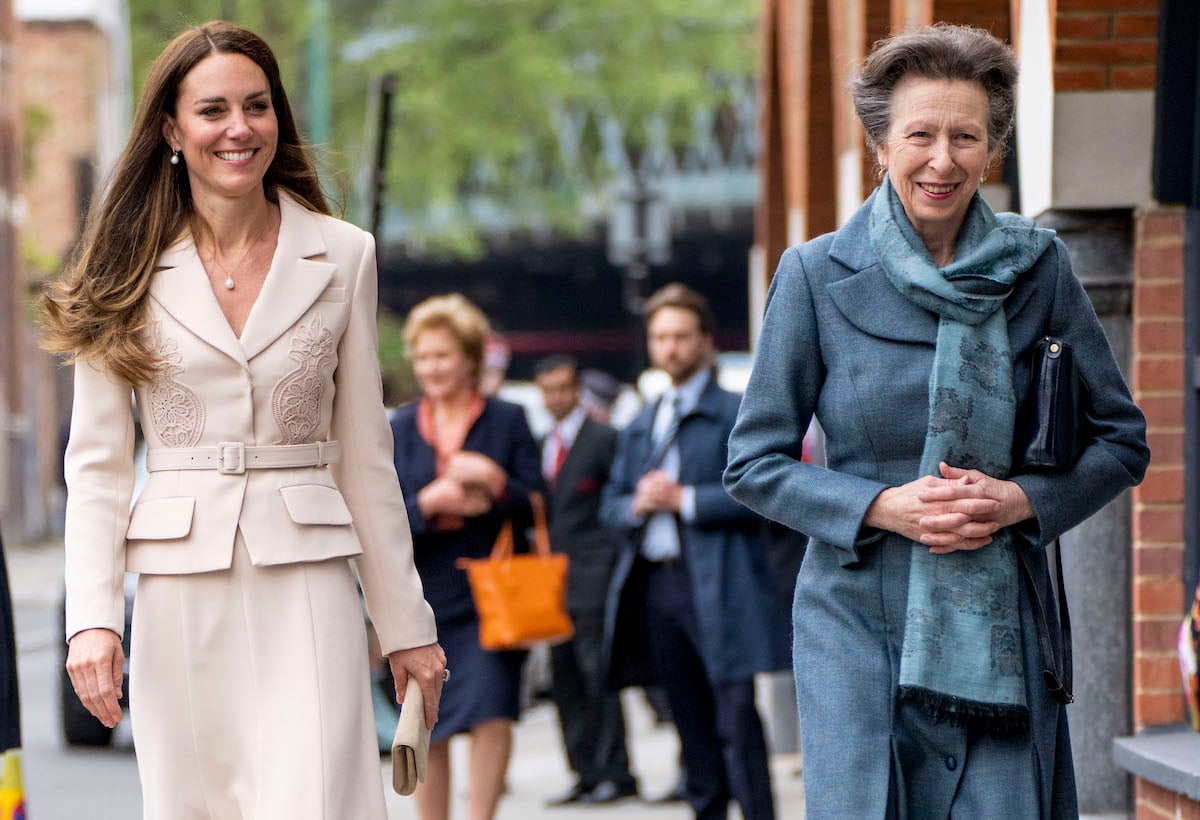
(229, 283)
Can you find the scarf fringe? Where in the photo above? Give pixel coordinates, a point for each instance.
(996, 719)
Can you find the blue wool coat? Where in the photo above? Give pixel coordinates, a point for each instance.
(740, 625)
(839, 341)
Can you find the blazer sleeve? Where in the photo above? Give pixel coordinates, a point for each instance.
(616, 499)
(412, 475)
(524, 468)
(367, 478)
(765, 470)
(100, 476)
(1118, 455)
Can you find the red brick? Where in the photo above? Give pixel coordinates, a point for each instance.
(1158, 299)
(1133, 25)
(1162, 259)
(1158, 335)
(1188, 809)
(1157, 708)
(1166, 447)
(1159, 222)
(1159, 560)
(1162, 485)
(1158, 373)
(1134, 78)
(1156, 634)
(1084, 27)
(1153, 801)
(1107, 52)
(1080, 79)
(1157, 596)
(1106, 5)
(1156, 673)
(1163, 410)
(1163, 528)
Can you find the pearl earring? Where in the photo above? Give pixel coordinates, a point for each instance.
(175, 158)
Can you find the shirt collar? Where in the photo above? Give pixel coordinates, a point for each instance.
(568, 428)
(689, 392)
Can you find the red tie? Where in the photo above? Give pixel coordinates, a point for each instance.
(560, 455)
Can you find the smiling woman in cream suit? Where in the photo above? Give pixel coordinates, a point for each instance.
(213, 286)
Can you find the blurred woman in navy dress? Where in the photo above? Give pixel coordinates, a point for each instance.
(466, 463)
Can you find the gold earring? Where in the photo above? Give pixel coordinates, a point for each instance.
(879, 174)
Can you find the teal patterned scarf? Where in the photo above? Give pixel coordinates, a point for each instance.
(961, 657)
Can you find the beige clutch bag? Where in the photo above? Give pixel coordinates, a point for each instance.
(410, 746)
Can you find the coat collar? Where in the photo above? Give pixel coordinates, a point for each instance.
(871, 303)
(708, 404)
(293, 283)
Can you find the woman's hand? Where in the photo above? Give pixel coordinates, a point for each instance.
(95, 662)
(426, 664)
(447, 496)
(477, 470)
(959, 511)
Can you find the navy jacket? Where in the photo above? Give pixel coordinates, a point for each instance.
(732, 590)
(502, 434)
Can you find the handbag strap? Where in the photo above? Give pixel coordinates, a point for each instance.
(503, 547)
(1058, 678)
(541, 533)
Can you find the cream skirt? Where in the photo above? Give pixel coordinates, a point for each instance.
(249, 695)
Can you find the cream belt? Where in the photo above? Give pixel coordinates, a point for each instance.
(235, 458)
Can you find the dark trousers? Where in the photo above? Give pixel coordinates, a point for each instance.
(593, 725)
(720, 733)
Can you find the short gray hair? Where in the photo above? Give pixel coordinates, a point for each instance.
(938, 52)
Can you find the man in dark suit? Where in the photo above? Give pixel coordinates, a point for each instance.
(692, 588)
(577, 455)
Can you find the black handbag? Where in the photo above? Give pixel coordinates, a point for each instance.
(1053, 428)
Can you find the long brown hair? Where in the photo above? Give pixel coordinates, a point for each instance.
(98, 309)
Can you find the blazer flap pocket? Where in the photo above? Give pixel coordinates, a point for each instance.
(161, 519)
(315, 504)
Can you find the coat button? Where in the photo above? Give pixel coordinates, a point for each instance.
(951, 763)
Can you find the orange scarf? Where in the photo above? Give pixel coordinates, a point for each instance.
(446, 443)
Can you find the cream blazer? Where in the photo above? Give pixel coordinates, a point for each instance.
(304, 370)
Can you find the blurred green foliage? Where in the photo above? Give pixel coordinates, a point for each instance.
(479, 82)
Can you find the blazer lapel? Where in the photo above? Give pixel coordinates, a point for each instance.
(871, 303)
(294, 281)
(182, 288)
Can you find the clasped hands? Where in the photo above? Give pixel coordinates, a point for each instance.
(468, 487)
(961, 510)
(657, 492)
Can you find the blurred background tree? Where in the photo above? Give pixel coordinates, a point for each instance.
(500, 102)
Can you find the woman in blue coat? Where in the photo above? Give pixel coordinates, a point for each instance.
(908, 333)
(466, 463)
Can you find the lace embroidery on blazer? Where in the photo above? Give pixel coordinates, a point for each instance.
(296, 401)
(175, 410)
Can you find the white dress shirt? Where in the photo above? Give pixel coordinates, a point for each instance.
(661, 539)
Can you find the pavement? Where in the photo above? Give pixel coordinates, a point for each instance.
(538, 769)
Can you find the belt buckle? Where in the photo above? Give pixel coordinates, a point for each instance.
(231, 458)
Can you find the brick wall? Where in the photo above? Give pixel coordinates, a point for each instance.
(1155, 802)
(62, 68)
(1103, 45)
(1158, 504)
